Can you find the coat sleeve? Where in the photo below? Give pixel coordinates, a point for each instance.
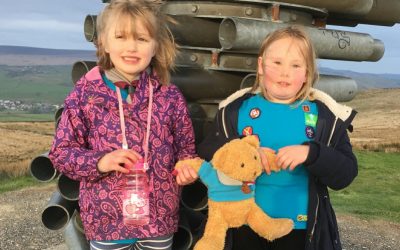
(183, 134)
(336, 166)
(70, 153)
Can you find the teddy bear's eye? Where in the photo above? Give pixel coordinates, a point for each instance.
(242, 165)
(255, 157)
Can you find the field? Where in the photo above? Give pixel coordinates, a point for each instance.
(376, 140)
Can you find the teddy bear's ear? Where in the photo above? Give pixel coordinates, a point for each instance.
(252, 140)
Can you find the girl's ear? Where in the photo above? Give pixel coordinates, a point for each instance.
(260, 67)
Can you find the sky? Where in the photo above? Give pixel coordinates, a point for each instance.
(58, 24)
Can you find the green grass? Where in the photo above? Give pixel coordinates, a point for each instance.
(35, 84)
(10, 184)
(375, 191)
(15, 116)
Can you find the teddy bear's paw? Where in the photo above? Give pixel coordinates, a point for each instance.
(209, 244)
(278, 228)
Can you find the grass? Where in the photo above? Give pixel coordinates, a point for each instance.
(35, 84)
(19, 116)
(375, 191)
(10, 184)
(374, 194)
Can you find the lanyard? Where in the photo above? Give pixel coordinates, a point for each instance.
(122, 119)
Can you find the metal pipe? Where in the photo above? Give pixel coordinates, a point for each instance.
(57, 116)
(194, 196)
(78, 222)
(80, 68)
(198, 83)
(42, 169)
(89, 28)
(247, 35)
(183, 238)
(58, 212)
(204, 35)
(340, 88)
(68, 188)
(74, 238)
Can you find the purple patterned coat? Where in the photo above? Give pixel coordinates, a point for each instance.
(90, 127)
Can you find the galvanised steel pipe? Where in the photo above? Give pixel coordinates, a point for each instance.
(78, 222)
(80, 68)
(195, 196)
(57, 116)
(183, 238)
(89, 28)
(42, 169)
(340, 88)
(196, 31)
(58, 212)
(198, 83)
(351, 7)
(246, 35)
(68, 188)
(74, 238)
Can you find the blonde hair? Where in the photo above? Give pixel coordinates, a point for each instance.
(156, 23)
(306, 49)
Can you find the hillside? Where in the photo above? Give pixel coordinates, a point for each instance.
(26, 72)
(28, 56)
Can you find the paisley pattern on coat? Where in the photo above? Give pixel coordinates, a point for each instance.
(90, 127)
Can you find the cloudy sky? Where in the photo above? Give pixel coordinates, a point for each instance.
(59, 24)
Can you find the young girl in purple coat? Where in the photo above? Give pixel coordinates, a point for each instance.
(121, 112)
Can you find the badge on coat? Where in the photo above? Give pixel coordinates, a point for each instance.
(255, 113)
(247, 131)
(310, 119)
(310, 132)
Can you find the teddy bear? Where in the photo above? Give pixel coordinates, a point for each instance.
(229, 178)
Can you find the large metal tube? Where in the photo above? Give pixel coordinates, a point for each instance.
(198, 83)
(68, 188)
(74, 238)
(340, 88)
(204, 35)
(351, 7)
(42, 169)
(89, 28)
(247, 35)
(194, 196)
(80, 68)
(57, 116)
(58, 212)
(183, 238)
(202, 115)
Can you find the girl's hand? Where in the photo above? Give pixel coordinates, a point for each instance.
(185, 175)
(291, 156)
(119, 160)
(265, 160)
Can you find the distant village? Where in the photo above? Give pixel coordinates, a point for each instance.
(32, 108)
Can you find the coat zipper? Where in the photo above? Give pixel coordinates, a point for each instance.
(315, 220)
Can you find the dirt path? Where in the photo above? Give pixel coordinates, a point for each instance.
(21, 226)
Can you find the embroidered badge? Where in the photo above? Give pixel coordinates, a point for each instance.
(310, 119)
(306, 108)
(301, 217)
(255, 113)
(310, 132)
(247, 131)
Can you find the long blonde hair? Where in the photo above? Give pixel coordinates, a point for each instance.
(307, 50)
(156, 22)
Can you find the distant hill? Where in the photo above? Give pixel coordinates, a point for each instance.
(28, 56)
(367, 81)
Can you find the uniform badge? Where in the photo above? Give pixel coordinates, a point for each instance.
(247, 131)
(306, 108)
(255, 113)
(301, 217)
(310, 132)
(310, 119)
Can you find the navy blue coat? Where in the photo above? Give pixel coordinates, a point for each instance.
(331, 163)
